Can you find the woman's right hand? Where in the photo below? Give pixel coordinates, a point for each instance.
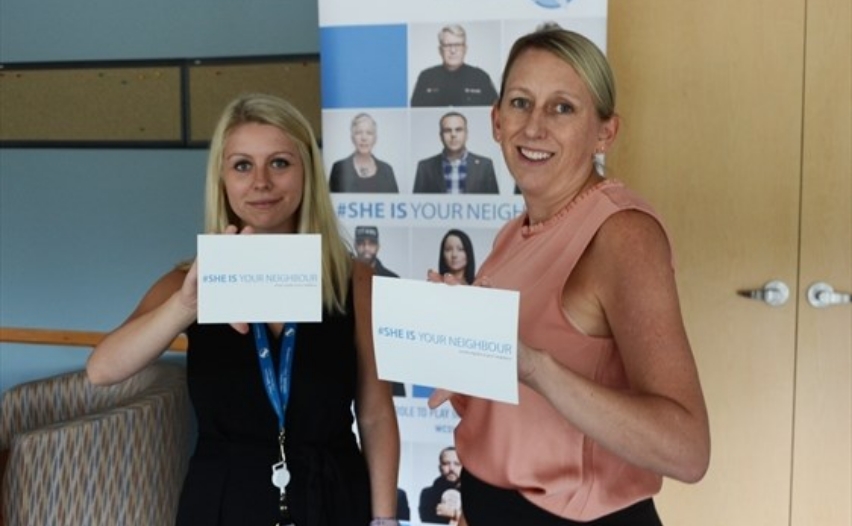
(433, 276)
(188, 293)
(438, 397)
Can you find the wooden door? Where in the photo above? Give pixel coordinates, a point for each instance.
(822, 460)
(711, 95)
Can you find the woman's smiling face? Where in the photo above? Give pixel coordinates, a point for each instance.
(264, 177)
(547, 124)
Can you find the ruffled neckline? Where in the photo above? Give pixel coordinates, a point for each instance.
(528, 229)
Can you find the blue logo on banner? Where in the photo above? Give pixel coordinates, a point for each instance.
(551, 4)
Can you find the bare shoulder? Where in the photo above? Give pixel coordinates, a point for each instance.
(631, 240)
(627, 271)
(635, 283)
(628, 255)
(631, 227)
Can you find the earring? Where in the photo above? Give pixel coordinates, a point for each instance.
(599, 161)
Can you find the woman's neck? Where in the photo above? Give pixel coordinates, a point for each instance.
(540, 208)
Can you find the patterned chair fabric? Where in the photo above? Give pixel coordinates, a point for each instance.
(87, 455)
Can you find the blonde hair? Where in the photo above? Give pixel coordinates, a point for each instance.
(363, 117)
(578, 52)
(453, 29)
(315, 214)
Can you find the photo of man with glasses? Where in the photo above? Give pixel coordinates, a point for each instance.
(453, 83)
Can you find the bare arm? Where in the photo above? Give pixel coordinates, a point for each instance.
(624, 287)
(167, 309)
(377, 425)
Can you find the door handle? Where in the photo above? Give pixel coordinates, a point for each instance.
(775, 293)
(821, 295)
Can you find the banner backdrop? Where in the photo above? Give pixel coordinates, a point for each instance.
(406, 88)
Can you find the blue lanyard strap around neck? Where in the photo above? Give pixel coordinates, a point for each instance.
(277, 391)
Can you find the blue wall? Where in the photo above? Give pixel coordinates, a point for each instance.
(59, 30)
(85, 232)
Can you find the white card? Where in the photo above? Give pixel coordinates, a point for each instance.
(259, 278)
(456, 337)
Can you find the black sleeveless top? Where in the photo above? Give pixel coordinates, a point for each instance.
(229, 479)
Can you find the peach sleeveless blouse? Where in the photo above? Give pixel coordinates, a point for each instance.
(530, 447)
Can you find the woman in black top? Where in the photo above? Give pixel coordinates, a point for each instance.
(265, 175)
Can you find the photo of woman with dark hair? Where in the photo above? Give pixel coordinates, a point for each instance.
(456, 256)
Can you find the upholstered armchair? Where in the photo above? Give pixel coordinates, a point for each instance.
(79, 454)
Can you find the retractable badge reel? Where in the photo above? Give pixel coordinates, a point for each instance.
(280, 479)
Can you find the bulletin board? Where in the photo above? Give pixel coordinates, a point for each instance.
(213, 86)
(174, 104)
(91, 104)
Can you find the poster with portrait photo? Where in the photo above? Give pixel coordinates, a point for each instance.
(394, 246)
(431, 480)
(427, 252)
(426, 140)
(391, 140)
(482, 48)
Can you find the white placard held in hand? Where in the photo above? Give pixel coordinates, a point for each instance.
(456, 337)
(259, 278)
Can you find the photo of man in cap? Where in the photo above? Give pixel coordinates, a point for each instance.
(367, 249)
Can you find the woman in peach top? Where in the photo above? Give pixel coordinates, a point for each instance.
(610, 399)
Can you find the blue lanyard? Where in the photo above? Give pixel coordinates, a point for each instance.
(278, 392)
